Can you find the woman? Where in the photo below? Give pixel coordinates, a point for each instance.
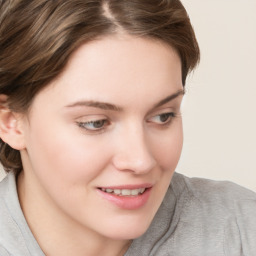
(91, 134)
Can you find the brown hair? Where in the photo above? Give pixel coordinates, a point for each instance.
(37, 37)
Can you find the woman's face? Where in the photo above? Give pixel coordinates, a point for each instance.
(102, 141)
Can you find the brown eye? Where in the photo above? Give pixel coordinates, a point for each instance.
(164, 117)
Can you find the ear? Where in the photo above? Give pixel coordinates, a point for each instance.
(10, 126)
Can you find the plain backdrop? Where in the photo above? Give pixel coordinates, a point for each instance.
(219, 107)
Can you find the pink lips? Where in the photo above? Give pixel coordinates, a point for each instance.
(128, 202)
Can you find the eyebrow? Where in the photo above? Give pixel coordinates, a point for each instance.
(170, 98)
(96, 104)
(108, 106)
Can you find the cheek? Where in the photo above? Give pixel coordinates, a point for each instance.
(168, 148)
(63, 153)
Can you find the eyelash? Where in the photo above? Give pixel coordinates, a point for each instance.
(170, 116)
(103, 123)
(96, 122)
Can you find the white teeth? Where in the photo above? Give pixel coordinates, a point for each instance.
(142, 190)
(124, 192)
(117, 191)
(135, 192)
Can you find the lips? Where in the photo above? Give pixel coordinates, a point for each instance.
(128, 197)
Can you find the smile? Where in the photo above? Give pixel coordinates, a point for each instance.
(124, 192)
(127, 197)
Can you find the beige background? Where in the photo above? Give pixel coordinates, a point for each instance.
(219, 108)
(220, 105)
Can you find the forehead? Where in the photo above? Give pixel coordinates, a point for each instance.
(119, 68)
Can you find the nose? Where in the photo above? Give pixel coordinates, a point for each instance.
(133, 153)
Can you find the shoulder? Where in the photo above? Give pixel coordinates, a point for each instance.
(220, 196)
(220, 210)
(3, 252)
(15, 236)
(206, 191)
(8, 227)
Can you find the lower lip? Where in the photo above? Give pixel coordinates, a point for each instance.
(127, 202)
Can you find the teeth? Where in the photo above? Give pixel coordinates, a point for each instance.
(135, 192)
(117, 191)
(142, 190)
(127, 192)
(124, 192)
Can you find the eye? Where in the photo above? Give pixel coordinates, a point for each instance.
(162, 119)
(96, 125)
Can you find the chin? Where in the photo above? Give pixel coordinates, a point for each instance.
(127, 235)
(128, 230)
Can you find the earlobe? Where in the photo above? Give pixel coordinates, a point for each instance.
(10, 128)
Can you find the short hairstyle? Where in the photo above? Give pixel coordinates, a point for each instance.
(37, 38)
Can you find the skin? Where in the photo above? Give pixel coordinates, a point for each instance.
(66, 159)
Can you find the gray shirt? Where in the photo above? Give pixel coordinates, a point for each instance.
(198, 217)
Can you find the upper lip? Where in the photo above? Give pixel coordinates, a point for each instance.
(128, 186)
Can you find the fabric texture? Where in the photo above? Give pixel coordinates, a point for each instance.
(197, 217)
